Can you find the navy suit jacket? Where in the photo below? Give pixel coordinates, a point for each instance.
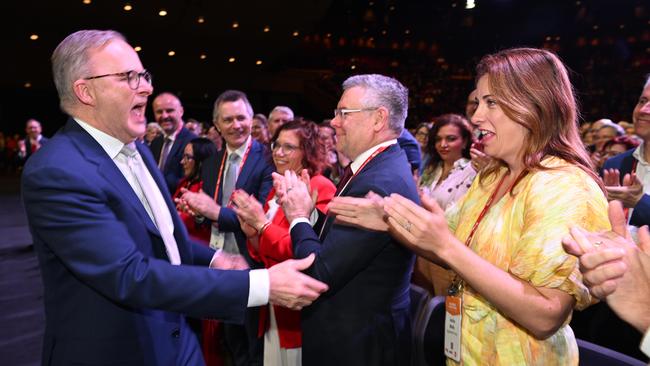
(254, 178)
(364, 317)
(411, 147)
(28, 146)
(111, 296)
(624, 162)
(173, 170)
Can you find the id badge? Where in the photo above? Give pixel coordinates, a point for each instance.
(453, 318)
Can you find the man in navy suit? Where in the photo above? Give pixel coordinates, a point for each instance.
(364, 318)
(168, 148)
(252, 169)
(33, 141)
(119, 271)
(632, 192)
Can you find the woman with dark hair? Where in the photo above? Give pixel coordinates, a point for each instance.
(448, 173)
(260, 129)
(422, 136)
(447, 176)
(196, 151)
(295, 146)
(516, 287)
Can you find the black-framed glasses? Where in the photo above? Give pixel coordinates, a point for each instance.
(132, 77)
(188, 157)
(342, 112)
(287, 148)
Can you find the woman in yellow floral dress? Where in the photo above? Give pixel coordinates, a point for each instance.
(504, 238)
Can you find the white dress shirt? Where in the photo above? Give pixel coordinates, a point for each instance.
(259, 288)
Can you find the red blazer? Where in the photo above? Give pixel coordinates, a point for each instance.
(275, 247)
(199, 233)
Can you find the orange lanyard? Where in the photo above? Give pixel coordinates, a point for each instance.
(377, 152)
(489, 203)
(223, 164)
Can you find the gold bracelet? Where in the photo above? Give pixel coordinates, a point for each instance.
(263, 227)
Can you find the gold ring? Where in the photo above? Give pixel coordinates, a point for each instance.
(407, 226)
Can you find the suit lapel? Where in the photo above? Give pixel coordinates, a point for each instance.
(246, 172)
(93, 152)
(377, 160)
(179, 226)
(176, 146)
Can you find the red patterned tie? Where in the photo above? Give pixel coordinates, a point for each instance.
(347, 174)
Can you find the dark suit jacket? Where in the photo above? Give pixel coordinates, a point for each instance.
(411, 147)
(173, 170)
(111, 296)
(623, 162)
(28, 146)
(364, 317)
(254, 178)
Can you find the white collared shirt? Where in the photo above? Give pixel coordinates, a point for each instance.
(259, 288)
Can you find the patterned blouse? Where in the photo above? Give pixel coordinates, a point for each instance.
(521, 234)
(453, 187)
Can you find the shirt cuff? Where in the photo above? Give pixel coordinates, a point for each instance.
(297, 221)
(645, 343)
(258, 290)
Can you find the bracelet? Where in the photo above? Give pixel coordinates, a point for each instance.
(263, 227)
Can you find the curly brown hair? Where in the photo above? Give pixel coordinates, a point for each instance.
(313, 149)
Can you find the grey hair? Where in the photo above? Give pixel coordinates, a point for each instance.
(284, 109)
(231, 96)
(620, 131)
(70, 60)
(154, 125)
(383, 91)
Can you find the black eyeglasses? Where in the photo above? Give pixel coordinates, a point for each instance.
(132, 77)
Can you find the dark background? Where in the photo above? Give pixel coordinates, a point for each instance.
(431, 46)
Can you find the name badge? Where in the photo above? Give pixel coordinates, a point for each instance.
(453, 319)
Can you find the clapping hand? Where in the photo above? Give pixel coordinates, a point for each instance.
(227, 261)
(198, 203)
(366, 213)
(294, 195)
(630, 193)
(614, 268)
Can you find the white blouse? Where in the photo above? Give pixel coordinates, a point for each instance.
(454, 187)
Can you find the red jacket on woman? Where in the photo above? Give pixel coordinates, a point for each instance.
(275, 247)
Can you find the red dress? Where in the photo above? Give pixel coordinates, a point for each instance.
(275, 247)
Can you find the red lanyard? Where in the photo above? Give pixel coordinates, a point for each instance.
(489, 203)
(377, 152)
(223, 164)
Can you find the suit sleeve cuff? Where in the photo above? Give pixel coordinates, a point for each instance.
(298, 220)
(259, 284)
(645, 343)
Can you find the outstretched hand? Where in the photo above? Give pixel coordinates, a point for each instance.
(291, 288)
